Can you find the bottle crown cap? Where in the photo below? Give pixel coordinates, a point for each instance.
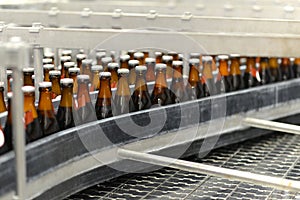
(100, 54)
(9, 72)
(113, 65)
(65, 58)
(124, 57)
(133, 62)
(138, 55)
(66, 81)
(195, 55)
(150, 60)
(66, 52)
(81, 56)
(27, 89)
(48, 66)
(141, 68)
(223, 57)
(177, 63)
(194, 61)
(69, 64)
(83, 77)
(48, 54)
(234, 55)
(157, 53)
(105, 74)
(97, 68)
(100, 50)
(87, 62)
(123, 71)
(207, 58)
(54, 73)
(45, 84)
(106, 60)
(9, 95)
(47, 60)
(1, 84)
(160, 66)
(74, 70)
(167, 58)
(28, 69)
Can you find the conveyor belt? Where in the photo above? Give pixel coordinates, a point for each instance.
(274, 155)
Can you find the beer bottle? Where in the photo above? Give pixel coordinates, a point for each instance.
(113, 69)
(286, 69)
(150, 74)
(73, 72)
(96, 69)
(47, 68)
(274, 69)
(8, 137)
(27, 75)
(235, 72)
(158, 57)
(105, 61)
(132, 73)
(103, 105)
(64, 114)
(140, 97)
(45, 110)
(67, 52)
(54, 76)
(86, 67)
(32, 124)
(161, 95)
(3, 138)
(251, 73)
(209, 86)
(177, 84)
(124, 61)
(122, 100)
(49, 55)
(131, 54)
(140, 57)
(47, 61)
(2, 102)
(194, 86)
(174, 55)
(296, 67)
(223, 83)
(79, 58)
(264, 71)
(63, 60)
(9, 79)
(85, 109)
(99, 56)
(168, 61)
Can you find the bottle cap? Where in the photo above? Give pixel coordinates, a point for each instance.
(106, 60)
(138, 55)
(69, 64)
(9, 95)
(167, 58)
(150, 60)
(123, 71)
(223, 57)
(66, 52)
(124, 57)
(33, 76)
(100, 55)
(48, 66)
(160, 66)
(83, 77)
(195, 55)
(105, 74)
(65, 58)
(131, 51)
(28, 69)
(100, 50)
(66, 81)
(9, 72)
(141, 68)
(97, 68)
(49, 54)
(28, 89)
(177, 63)
(74, 70)
(234, 55)
(207, 58)
(113, 65)
(172, 53)
(1, 84)
(45, 84)
(54, 73)
(158, 53)
(133, 62)
(87, 62)
(80, 56)
(194, 61)
(47, 60)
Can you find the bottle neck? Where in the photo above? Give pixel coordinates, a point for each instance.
(250, 64)
(105, 90)
(66, 97)
(285, 62)
(95, 83)
(160, 81)
(235, 67)
(83, 95)
(140, 84)
(46, 75)
(124, 64)
(177, 72)
(28, 79)
(55, 85)
(45, 102)
(273, 63)
(2, 103)
(207, 71)
(123, 87)
(29, 107)
(223, 67)
(264, 65)
(194, 74)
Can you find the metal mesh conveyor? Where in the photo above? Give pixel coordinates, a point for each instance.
(275, 154)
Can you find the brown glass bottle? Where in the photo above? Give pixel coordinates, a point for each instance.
(3, 138)
(79, 58)
(105, 62)
(150, 74)
(27, 76)
(47, 68)
(122, 99)
(85, 109)
(140, 97)
(158, 57)
(2, 102)
(208, 83)
(103, 105)
(54, 76)
(9, 79)
(63, 60)
(131, 54)
(286, 69)
(251, 73)
(264, 71)
(87, 66)
(223, 83)
(161, 94)
(113, 69)
(32, 124)
(275, 70)
(64, 114)
(96, 69)
(8, 138)
(194, 86)
(73, 72)
(45, 110)
(168, 61)
(140, 57)
(132, 73)
(124, 61)
(235, 72)
(99, 56)
(177, 85)
(296, 67)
